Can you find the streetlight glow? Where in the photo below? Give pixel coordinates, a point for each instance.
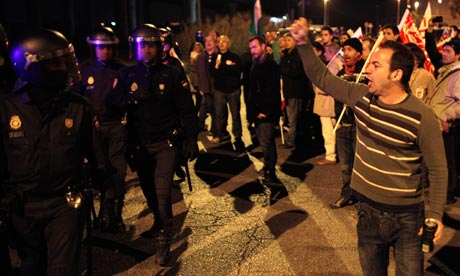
(416, 5)
(325, 12)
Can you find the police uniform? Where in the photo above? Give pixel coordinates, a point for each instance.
(98, 79)
(44, 156)
(156, 99)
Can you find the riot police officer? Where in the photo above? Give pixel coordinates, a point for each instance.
(99, 75)
(7, 75)
(170, 46)
(158, 103)
(46, 133)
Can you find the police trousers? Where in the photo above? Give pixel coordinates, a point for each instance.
(49, 235)
(156, 165)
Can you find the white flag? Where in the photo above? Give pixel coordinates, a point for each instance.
(424, 22)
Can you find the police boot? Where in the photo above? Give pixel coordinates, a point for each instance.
(118, 225)
(107, 220)
(163, 244)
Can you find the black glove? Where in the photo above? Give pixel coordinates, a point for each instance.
(190, 150)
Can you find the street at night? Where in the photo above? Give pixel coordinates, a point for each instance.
(232, 224)
(90, 89)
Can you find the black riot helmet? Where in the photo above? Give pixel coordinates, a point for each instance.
(3, 42)
(167, 38)
(103, 37)
(45, 58)
(145, 35)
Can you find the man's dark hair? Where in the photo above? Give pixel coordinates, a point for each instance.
(345, 33)
(258, 38)
(318, 47)
(402, 59)
(371, 42)
(393, 28)
(327, 28)
(418, 54)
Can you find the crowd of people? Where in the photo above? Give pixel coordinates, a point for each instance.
(392, 125)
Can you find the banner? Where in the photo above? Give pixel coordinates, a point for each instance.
(408, 32)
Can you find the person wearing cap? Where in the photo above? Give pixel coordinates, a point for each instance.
(99, 75)
(346, 131)
(445, 103)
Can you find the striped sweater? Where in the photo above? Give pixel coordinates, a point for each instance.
(392, 142)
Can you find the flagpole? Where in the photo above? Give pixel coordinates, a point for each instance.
(377, 43)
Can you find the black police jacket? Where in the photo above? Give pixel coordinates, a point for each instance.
(43, 155)
(157, 100)
(98, 80)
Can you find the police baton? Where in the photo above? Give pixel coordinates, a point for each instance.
(187, 174)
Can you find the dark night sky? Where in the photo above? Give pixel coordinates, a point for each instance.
(74, 17)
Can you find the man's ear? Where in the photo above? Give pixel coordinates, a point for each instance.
(397, 75)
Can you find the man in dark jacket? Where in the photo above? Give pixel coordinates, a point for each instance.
(98, 77)
(227, 82)
(46, 133)
(158, 103)
(297, 89)
(264, 103)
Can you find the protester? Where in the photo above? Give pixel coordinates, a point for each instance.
(395, 133)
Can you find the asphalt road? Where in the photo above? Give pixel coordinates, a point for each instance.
(232, 224)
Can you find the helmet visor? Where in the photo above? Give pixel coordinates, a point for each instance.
(145, 49)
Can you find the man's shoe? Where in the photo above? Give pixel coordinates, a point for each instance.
(286, 146)
(325, 162)
(163, 244)
(342, 202)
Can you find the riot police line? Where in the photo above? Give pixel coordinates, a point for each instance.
(66, 128)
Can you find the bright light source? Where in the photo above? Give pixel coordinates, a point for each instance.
(277, 20)
(284, 17)
(439, 1)
(416, 5)
(113, 23)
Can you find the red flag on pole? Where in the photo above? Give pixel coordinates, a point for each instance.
(408, 32)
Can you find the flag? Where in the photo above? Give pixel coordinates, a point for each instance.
(424, 22)
(256, 22)
(408, 32)
(358, 34)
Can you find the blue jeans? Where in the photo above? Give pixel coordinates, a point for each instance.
(234, 102)
(346, 144)
(265, 132)
(293, 112)
(378, 230)
(207, 106)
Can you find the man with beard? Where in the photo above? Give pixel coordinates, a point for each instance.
(264, 108)
(396, 132)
